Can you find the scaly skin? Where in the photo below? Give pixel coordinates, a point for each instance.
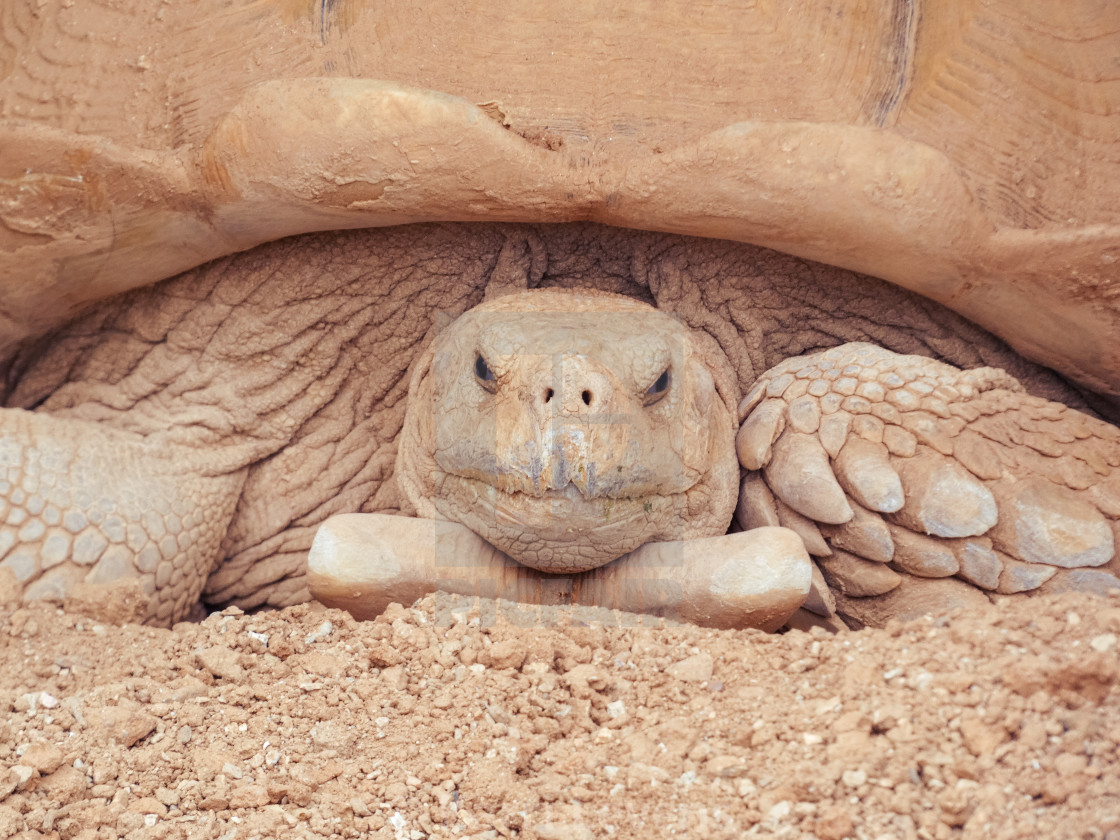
(272, 385)
(87, 503)
(901, 472)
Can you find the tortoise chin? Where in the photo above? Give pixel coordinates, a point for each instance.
(560, 531)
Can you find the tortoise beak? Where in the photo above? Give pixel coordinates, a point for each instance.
(568, 422)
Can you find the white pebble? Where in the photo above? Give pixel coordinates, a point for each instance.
(1103, 643)
(320, 633)
(233, 770)
(922, 681)
(780, 811)
(854, 778)
(260, 637)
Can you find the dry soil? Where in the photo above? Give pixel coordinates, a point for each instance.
(448, 719)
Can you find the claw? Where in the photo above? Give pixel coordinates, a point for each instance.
(800, 475)
(820, 599)
(753, 398)
(866, 535)
(756, 436)
(856, 577)
(864, 470)
(1081, 580)
(980, 565)
(923, 556)
(1045, 523)
(805, 528)
(914, 598)
(1022, 577)
(942, 499)
(756, 504)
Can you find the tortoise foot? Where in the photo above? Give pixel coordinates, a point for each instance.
(895, 467)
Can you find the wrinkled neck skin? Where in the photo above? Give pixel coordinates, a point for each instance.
(569, 428)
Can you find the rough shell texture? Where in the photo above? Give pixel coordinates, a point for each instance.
(965, 150)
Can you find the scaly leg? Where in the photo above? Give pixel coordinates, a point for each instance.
(81, 503)
(901, 473)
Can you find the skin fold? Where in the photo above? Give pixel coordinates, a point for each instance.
(267, 391)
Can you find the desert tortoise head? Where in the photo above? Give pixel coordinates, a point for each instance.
(570, 428)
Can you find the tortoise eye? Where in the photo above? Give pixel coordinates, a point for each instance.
(484, 375)
(659, 388)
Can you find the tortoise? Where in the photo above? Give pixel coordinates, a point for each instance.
(931, 148)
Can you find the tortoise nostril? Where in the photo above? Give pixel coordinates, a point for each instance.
(548, 396)
(586, 397)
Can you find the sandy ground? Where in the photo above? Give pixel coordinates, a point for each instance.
(447, 720)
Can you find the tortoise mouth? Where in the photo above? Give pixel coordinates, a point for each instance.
(562, 508)
(577, 492)
(558, 531)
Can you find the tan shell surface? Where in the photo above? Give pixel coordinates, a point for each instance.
(965, 150)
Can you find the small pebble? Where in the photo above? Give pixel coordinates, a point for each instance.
(43, 757)
(23, 774)
(319, 633)
(221, 662)
(780, 811)
(696, 668)
(260, 637)
(1103, 643)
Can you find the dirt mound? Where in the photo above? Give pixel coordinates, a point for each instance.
(447, 720)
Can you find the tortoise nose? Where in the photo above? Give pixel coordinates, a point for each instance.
(584, 393)
(587, 396)
(573, 387)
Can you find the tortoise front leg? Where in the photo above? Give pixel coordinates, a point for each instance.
(81, 503)
(901, 471)
(364, 562)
